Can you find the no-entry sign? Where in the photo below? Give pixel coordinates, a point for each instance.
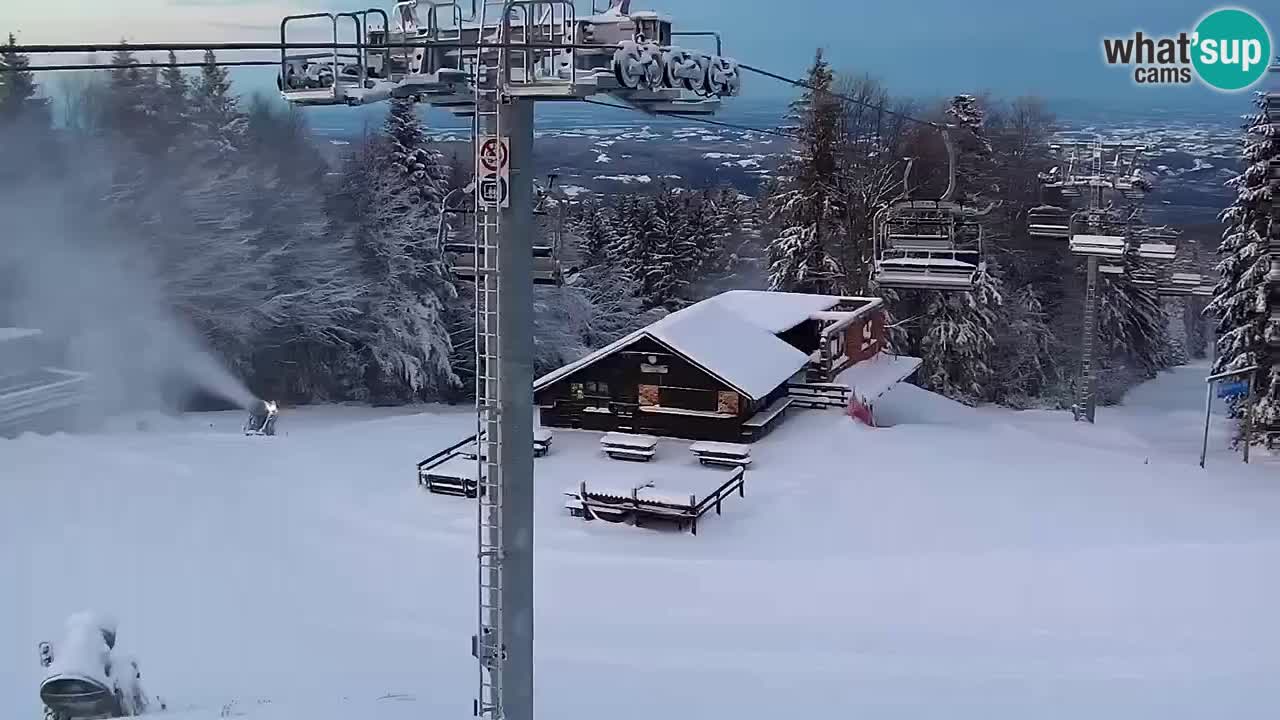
(492, 160)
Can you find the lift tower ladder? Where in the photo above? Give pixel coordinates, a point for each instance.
(490, 646)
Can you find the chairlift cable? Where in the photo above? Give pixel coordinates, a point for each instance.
(695, 118)
(842, 96)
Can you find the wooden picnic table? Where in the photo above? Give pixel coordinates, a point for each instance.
(624, 446)
(721, 453)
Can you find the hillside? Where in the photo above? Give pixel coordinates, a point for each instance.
(962, 563)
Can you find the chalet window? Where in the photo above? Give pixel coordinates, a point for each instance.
(649, 395)
(596, 389)
(688, 398)
(727, 402)
(575, 391)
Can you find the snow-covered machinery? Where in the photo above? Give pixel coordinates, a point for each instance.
(437, 50)
(262, 418)
(929, 244)
(85, 677)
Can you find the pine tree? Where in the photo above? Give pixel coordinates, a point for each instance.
(26, 138)
(1175, 311)
(1197, 330)
(174, 112)
(1025, 354)
(808, 204)
(406, 151)
(975, 169)
(1133, 328)
(1240, 301)
(642, 232)
(595, 225)
(19, 94)
(217, 124)
(132, 107)
(391, 205)
(958, 340)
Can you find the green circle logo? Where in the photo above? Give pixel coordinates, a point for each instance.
(1232, 49)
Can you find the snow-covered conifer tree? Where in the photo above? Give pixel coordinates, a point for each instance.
(595, 224)
(958, 340)
(173, 106)
(218, 125)
(1240, 302)
(807, 206)
(26, 140)
(19, 94)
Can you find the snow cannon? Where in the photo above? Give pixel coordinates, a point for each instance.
(262, 418)
(83, 680)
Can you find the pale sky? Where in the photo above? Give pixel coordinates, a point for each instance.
(919, 47)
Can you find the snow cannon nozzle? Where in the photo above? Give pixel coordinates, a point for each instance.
(262, 418)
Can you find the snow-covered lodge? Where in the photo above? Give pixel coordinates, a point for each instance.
(726, 368)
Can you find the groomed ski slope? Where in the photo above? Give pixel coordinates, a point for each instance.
(962, 563)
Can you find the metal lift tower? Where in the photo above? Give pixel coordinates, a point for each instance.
(1111, 237)
(494, 61)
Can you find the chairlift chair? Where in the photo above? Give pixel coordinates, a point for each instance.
(1103, 246)
(1144, 278)
(1049, 221)
(352, 76)
(1181, 284)
(462, 255)
(932, 271)
(1157, 252)
(928, 244)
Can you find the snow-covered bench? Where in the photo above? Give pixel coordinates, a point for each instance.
(720, 453)
(623, 446)
(455, 470)
(457, 474)
(541, 442)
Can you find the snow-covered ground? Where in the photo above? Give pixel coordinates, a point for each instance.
(962, 563)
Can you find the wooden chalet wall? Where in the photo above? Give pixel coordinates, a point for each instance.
(864, 339)
(609, 394)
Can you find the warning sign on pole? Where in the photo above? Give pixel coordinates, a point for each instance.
(492, 161)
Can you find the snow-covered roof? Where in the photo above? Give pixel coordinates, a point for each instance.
(779, 311)
(871, 378)
(726, 345)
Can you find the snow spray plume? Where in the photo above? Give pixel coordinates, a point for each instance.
(100, 299)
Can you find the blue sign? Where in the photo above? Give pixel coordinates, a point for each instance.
(1235, 388)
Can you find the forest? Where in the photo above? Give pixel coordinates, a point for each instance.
(317, 282)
